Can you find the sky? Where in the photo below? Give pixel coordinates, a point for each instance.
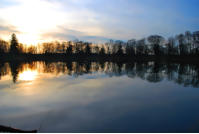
(36, 21)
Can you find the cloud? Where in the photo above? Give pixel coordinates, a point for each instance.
(95, 39)
(8, 29)
(64, 34)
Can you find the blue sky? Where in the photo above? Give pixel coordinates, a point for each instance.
(96, 20)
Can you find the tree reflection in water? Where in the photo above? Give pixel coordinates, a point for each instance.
(181, 73)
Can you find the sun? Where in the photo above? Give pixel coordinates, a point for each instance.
(32, 19)
(28, 75)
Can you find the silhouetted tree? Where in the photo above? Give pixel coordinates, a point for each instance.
(87, 49)
(96, 50)
(48, 48)
(69, 50)
(188, 37)
(32, 50)
(130, 47)
(155, 41)
(182, 47)
(14, 45)
(196, 42)
(102, 51)
(171, 46)
(120, 50)
(140, 47)
(3, 47)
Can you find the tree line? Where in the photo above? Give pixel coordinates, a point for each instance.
(156, 45)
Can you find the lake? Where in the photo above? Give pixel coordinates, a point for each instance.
(100, 96)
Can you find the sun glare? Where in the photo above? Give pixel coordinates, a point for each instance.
(29, 39)
(28, 75)
(32, 19)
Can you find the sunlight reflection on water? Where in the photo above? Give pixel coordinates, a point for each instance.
(28, 75)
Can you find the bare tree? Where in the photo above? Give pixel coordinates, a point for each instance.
(188, 37)
(155, 41)
(181, 41)
(171, 46)
(130, 47)
(140, 47)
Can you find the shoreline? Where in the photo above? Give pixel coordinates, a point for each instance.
(97, 58)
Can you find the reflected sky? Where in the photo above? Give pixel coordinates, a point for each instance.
(95, 102)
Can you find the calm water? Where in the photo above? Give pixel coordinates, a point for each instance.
(100, 97)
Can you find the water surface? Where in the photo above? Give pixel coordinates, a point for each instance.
(100, 97)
